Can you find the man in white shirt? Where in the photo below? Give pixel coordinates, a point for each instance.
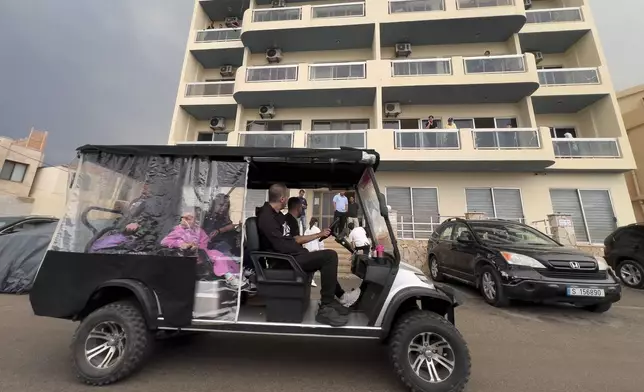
(358, 238)
(340, 204)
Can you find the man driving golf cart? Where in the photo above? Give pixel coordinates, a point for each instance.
(123, 299)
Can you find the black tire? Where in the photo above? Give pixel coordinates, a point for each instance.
(437, 275)
(409, 326)
(599, 308)
(135, 350)
(499, 299)
(633, 266)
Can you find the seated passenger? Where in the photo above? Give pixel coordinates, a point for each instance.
(274, 235)
(190, 237)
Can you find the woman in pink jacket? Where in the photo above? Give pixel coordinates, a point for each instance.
(188, 236)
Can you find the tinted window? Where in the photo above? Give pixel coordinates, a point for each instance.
(459, 229)
(446, 233)
(510, 233)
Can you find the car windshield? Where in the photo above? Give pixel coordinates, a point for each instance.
(378, 224)
(511, 234)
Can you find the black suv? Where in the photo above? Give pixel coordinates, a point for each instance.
(509, 260)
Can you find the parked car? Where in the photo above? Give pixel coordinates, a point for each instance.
(509, 260)
(624, 251)
(13, 224)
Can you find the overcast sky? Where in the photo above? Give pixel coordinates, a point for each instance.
(107, 71)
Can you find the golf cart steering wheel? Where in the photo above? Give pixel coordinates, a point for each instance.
(333, 227)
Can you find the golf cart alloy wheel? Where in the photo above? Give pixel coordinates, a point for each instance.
(105, 345)
(630, 274)
(431, 357)
(489, 286)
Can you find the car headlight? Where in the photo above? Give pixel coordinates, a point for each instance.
(602, 265)
(523, 260)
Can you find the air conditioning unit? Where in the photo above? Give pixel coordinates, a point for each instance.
(403, 50)
(266, 111)
(538, 56)
(278, 3)
(274, 55)
(527, 4)
(217, 123)
(227, 71)
(392, 109)
(232, 22)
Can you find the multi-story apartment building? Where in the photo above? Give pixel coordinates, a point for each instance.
(537, 125)
(631, 102)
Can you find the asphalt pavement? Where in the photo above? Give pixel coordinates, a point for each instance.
(523, 348)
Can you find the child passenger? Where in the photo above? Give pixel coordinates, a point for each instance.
(189, 236)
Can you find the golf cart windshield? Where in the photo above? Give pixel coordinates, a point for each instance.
(368, 192)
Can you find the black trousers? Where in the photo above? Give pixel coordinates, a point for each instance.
(343, 220)
(365, 249)
(325, 261)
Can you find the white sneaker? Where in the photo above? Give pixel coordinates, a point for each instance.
(248, 272)
(350, 297)
(234, 282)
(313, 284)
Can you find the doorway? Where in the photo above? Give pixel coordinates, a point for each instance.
(323, 206)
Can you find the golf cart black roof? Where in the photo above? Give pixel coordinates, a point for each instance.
(296, 167)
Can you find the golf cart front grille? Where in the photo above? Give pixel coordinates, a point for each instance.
(583, 275)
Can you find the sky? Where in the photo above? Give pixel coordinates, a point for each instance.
(107, 72)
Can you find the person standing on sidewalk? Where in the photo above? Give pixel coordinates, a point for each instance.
(352, 212)
(304, 205)
(340, 204)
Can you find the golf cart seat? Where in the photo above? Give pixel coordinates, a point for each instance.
(285, 287)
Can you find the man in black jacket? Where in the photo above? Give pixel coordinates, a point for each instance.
(275, 235)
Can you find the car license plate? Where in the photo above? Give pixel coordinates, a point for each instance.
(582, 292)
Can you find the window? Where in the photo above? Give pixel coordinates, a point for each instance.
(254, 198)
(272, 126)
(446, 233)
(549, 66)
(13, 171)
(592, 212)
(560, 132)
(417, 210)
(461, 230)
(500, 203)
(340, 125)
(217, 137)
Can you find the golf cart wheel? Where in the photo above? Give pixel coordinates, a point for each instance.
(599, 308)
(434, 270)
(428, 353)
(110, 344)
(631, 273)
(491, 287)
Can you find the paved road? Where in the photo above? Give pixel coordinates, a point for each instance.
(525, 348)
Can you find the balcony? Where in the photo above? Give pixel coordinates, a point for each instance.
(216, 47)
(336, 139)
(307, 85)
(592, 154)
(220, 9)
(553, 30)
(208, 99)
(424, 22)
(317, 27)
(462, 150)
(266, 139)
(459, 80)
(218, 35)
(569, 90)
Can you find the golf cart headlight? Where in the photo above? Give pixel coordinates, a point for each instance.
(523, 260)
(602, 265)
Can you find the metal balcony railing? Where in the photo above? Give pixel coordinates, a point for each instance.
(586, 148)
(465, 4)
(494, 64)
(336, 139)
(508, 138)
(572, 14)
(218, 35)
(338, 71)
(210, 89)
(266, 139)
(435, 139)
(568, 76)
(338, 10)
(399, 6)
(272, 73)
(277, 14)
(440, 66)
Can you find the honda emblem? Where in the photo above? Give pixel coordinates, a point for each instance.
(574, 265)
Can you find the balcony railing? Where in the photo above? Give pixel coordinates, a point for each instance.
(465, 4)
(218, 35)
(572, 14)
(435, 139)
(586, 148)
(208, 143)
(399, 6)
(336, 139)
(272, 73)
(563, 76)
(509, 138)
(338, 71)
(266, 139)
(277, 14)
(338, 10)
(210, 89)
(494, 64)
(441, 66)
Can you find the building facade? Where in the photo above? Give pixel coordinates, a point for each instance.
(631, 102)
(536, 126)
